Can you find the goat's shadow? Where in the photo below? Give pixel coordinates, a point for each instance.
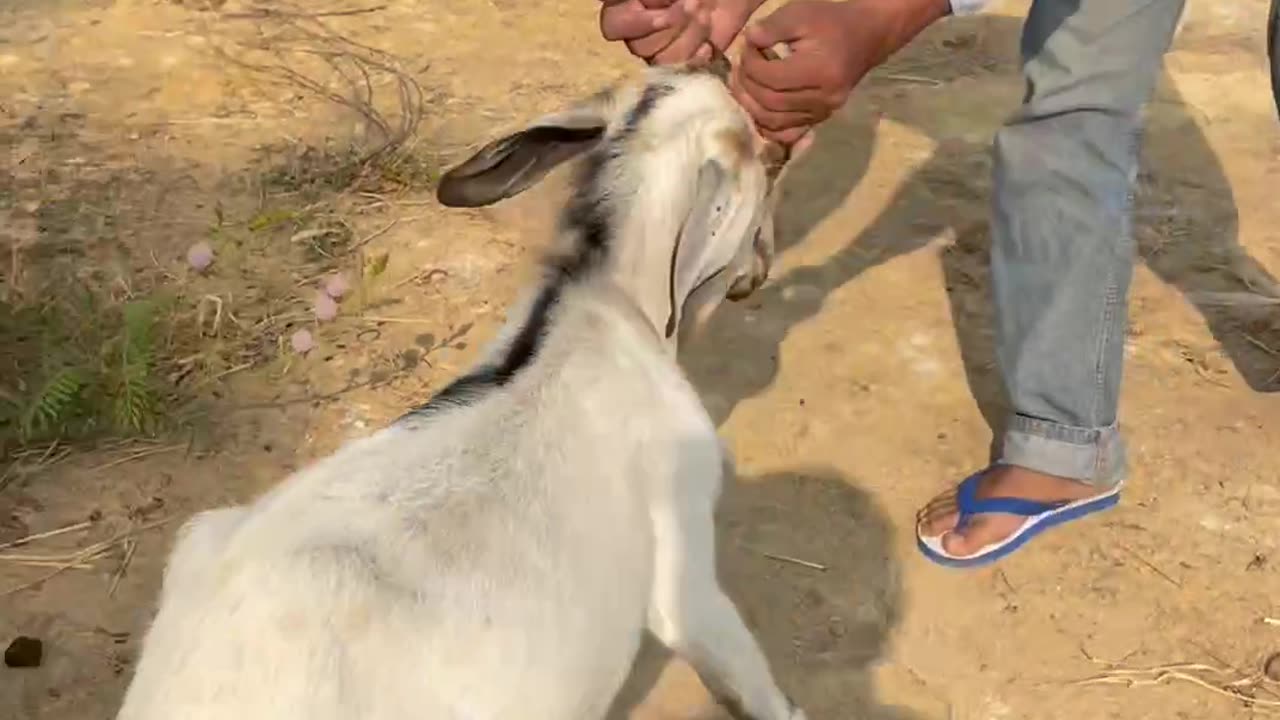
(1185, 219)
(820, 628)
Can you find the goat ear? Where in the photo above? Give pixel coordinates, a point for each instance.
(512, 164)
(691, 264)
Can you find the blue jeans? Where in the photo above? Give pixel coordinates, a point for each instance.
(1062, 248)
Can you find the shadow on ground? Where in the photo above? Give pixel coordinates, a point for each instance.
(822, 630)
(1186, 219)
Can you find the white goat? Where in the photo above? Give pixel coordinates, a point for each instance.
(499, 552)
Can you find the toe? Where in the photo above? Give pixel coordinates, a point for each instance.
(938, 516)
(960, 543)
(980, 532)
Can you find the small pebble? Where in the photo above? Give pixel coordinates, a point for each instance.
(336, 286)
(24, 652)
(302, 341)
(1271, 668)
(200, 256)
(325, 307)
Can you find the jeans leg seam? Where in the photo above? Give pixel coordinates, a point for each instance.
(1110, 301)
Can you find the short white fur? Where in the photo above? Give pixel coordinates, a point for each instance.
(500, 555)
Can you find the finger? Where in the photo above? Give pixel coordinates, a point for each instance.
(810, 101)
(649, 46)
(785, 25)
(658, 4)
(788, 137)
(777, 111)
(802, 145)
(629, 21)
(768, 120)
(685, 45)
(799, 71)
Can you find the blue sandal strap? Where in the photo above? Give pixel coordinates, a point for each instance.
(969, 504)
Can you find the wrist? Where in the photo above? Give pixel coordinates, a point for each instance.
(900, 20)
(920, 14)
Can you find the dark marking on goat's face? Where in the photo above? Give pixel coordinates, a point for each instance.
(644, 107)
(602, 130)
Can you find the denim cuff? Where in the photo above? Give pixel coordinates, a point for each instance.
(1091, 455)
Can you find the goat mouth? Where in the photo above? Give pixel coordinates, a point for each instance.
(746, 284)
(720, 67)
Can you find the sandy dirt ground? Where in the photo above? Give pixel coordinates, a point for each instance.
(852, 387)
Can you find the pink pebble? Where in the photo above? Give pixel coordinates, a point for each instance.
(336, 286)
(200, 256)
(302, 341)
(325, 307)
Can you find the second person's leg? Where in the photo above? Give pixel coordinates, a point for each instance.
(1062, 257)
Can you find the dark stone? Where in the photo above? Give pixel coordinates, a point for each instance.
(24, 652)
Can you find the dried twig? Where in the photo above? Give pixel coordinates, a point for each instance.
(1186, 672)
(300, 32)
(46, 563)
(46, 534)
(264, 13)
(406, 321)
(137, 455)
(79, 557)
(789, 559)
(375, 234)
(796, 561)
(130, 546)
(7, 476)
(913, 79)
(1150, 566)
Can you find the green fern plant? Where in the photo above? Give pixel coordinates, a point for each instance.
(101, 375)
(55, 405)
(134, 403)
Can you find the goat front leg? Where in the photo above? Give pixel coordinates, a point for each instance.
(691, 614)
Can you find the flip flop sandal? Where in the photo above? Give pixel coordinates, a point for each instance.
(1040, 516)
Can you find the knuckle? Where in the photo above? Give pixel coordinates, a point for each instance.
(773, 121)
(774, 100)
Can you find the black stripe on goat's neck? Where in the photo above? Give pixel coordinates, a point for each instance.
(520, 352)
(586, 219)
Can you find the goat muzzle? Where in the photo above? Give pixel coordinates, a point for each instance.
(774, 156)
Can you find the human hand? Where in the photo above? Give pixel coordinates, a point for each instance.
(726, 19)
(659, 32)
(832, 46)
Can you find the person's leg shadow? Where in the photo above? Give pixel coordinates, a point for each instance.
(823, 627)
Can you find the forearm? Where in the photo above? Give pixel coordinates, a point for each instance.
(896, 23)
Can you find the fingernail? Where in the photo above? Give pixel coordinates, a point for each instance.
(662, 21)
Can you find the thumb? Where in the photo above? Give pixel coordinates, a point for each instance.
(783, 26)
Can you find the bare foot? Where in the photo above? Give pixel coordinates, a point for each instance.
(1011, 481)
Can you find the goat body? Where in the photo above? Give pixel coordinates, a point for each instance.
(499, 552)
